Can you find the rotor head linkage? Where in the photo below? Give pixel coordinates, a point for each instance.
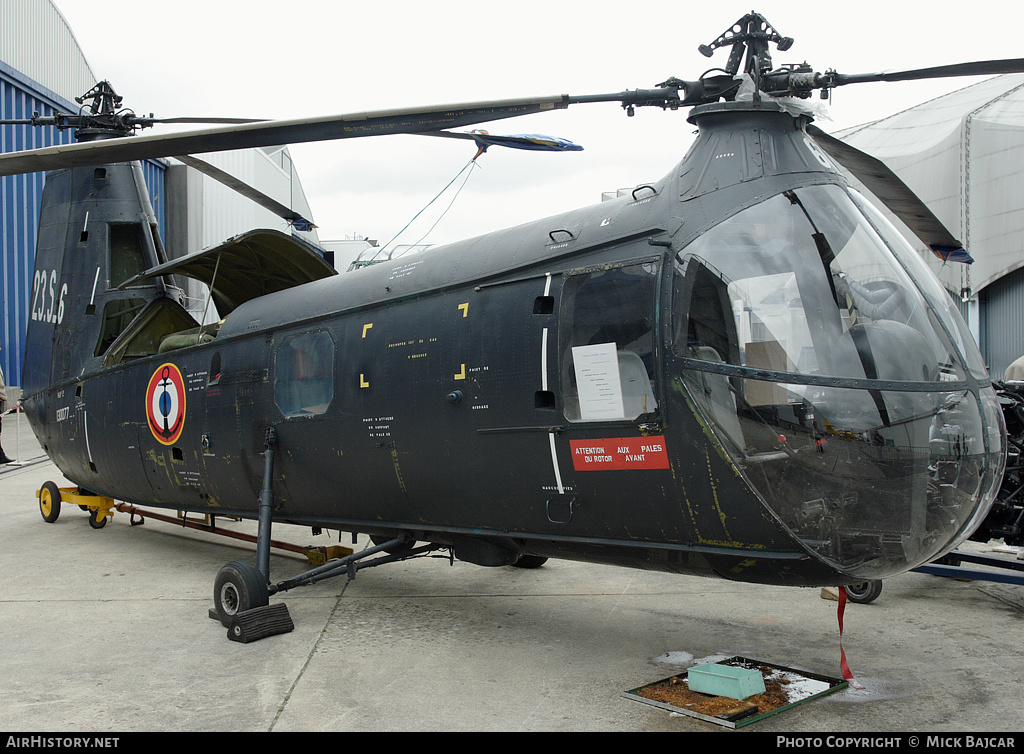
(751, 34)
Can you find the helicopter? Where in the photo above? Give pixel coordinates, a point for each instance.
(741, 371)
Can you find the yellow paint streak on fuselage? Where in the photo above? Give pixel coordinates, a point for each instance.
(398, 468)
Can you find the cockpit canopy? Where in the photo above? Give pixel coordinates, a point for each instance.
(838, 375)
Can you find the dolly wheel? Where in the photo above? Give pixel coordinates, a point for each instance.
(49, 502)
(864, 592)
(239, 587)
(97, 519)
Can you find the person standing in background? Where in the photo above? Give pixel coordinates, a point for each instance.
(3, 407)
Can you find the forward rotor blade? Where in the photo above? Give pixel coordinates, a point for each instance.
(273, 133)
(530, 142)
(250, 192)
(978, 68)
(893, 193)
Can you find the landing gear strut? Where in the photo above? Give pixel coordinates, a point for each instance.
(242, 591)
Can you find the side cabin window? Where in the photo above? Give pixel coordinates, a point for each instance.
(127, 255)
(607, 337)
(117, 315)
(126, 259)
(304, 374)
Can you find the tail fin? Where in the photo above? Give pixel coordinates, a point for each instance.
(96, 230)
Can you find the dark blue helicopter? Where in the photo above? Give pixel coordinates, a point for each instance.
(742, 370)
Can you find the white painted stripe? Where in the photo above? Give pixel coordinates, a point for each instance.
(544, 359)
(544, 386)
(85, 425)
(554, 462)
(92, 299)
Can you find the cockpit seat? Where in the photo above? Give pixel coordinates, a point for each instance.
(718, 397)
(637, 394)
(191, 337)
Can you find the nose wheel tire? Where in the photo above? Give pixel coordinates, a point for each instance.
(239, 587)
(864, 592)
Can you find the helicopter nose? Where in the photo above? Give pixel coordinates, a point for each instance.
(872, 499)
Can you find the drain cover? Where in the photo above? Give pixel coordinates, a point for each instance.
(785, 688)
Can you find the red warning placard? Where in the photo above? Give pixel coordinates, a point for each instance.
(619, 454)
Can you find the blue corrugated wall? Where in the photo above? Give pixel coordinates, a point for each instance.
(20, 97)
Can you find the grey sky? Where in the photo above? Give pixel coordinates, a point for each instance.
(313, 57)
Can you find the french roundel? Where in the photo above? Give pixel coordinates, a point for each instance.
(165, 404)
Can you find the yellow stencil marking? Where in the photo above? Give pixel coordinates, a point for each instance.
(362, 381)
(366, 327)
(461, 375)
(465, 309)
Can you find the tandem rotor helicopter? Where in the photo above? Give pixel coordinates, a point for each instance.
(742, 370)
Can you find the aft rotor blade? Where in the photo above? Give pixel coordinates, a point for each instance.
(890, 190)
(250, 192)
(273, 133)
(977, 68)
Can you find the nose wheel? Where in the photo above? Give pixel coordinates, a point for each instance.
(864, 592)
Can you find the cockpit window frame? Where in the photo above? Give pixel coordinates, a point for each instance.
(736, 367)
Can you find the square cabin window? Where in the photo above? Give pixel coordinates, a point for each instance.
(304, 376)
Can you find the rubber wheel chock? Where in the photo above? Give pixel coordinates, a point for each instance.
(260, 622)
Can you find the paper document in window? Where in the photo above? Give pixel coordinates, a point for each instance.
(597, 381)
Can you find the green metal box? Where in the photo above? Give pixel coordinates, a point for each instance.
(725, 680)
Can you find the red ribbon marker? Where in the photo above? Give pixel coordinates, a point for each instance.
(842, 653)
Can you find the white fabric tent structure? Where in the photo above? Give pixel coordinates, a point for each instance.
(963, 154)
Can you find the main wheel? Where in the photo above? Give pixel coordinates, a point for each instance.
(530, 561)
(239, 587)
(864, 592)
(49, 502)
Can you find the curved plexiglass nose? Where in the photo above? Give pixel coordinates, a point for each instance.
(838, 376)
(873, 499)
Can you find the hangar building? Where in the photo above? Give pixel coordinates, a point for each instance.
(963, 154)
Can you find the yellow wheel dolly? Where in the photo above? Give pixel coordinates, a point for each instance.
(101, 508)
(51, 496)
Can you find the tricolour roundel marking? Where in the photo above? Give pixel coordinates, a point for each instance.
(165, 404)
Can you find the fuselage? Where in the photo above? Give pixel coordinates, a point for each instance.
(704, 376)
